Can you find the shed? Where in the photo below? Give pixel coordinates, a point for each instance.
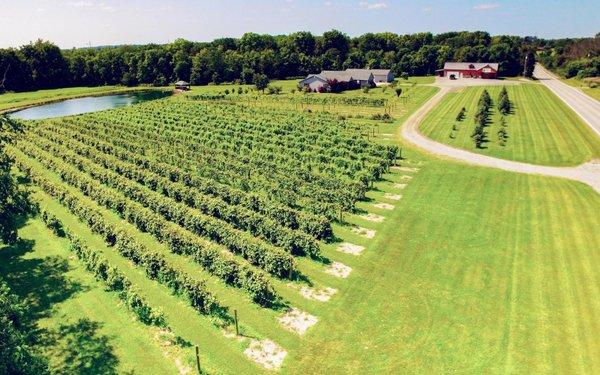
(182, 85)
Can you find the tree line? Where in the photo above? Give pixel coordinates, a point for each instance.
(42, 65)
(572, 57)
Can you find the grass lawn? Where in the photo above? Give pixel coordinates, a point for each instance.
(463, 277)
(59, 291)
(541, 130)
(575, 82)
(23, 99)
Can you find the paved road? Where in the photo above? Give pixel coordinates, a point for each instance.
(588, 173)
(586, 107)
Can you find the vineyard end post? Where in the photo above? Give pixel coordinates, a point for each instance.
(198, 360)
(237, 328)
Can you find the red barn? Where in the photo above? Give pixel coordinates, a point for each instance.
(455, 70)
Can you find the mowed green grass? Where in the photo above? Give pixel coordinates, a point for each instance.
(541, 130)
(475, 271)
(9, 101)
(58, 290)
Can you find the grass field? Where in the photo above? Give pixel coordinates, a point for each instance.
(462, 279)
(541, 129)
(460, 276)
(11, 100)
(575, 82)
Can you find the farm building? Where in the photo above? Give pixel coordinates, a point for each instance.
(352, 78)
(182, 85)
(455, 70)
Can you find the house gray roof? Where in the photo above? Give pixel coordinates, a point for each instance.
(469, 65)
(361, 74)
(376, 72)
(339, 75)
(316, 76)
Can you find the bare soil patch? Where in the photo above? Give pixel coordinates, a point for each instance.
(406, 169)
(166, 339)
(338, 269)
(298, 321)
(364, 232)
(384, 206)
(266, 353)
(373, 217)
(406, 177)
(394, 197)
(320, 294)
(399, 186)
(349, 248)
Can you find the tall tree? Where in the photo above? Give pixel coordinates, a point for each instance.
(529, 64)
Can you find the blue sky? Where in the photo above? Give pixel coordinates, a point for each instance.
(77, 23)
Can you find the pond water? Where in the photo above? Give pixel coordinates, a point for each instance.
(84, 105)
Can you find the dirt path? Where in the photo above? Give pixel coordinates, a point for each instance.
(588, 173)
(586, 107)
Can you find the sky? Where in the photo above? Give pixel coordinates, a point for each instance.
(79, 23)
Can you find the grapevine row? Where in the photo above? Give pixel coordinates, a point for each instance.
(210, 256)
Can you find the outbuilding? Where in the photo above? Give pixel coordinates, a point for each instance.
(182, 85)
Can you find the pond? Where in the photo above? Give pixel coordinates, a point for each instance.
(87, 104)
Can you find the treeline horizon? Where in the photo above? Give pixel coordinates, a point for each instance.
(43, 65)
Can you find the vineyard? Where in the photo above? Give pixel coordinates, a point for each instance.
(198, 196)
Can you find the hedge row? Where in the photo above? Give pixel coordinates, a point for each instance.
(163, 217)
(217, 262)
(111, 276)
(296, 242)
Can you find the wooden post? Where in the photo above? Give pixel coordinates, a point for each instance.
(198, 360)
(237, 328)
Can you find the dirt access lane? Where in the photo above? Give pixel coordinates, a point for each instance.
(588, 173)
(586, 107)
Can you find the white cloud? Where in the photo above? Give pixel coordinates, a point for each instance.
(427, 9)
(81, 4)
(85, 4)
(486, 6)
(40, 10)
(373, 6)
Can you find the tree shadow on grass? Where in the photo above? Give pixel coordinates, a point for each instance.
(79, 348)
(39, 282)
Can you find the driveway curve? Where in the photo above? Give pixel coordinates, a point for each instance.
(588, 173)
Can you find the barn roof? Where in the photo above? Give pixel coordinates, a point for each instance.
(469, 65)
